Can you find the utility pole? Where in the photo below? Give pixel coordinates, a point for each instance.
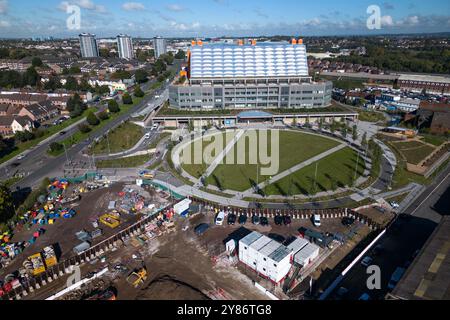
(356, 168)
(315, 177)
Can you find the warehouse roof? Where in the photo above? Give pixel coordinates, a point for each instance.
(269, 59)
(297, 245)
(269, 248)
(260, 243)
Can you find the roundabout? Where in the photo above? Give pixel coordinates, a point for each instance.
(273, 164)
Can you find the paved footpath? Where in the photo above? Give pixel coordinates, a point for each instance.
(295, 168)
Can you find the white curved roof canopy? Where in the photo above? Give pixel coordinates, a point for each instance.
(269, 59)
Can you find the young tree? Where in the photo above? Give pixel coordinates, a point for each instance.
(55, 147)
(141, 76)
(138, 92)
(126, 99)
(92, 119)
(364, 140)
(354, 133)
(36, 62)
(113, 106)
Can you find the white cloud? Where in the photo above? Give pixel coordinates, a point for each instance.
(175, 7)
(4, 24)
(133, 6)
(387, 21)
(85, 4)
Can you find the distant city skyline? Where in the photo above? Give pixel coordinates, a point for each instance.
(215, 18)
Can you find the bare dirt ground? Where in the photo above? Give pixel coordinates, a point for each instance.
(91, 206)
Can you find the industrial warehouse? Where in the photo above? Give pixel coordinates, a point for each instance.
(268, 75)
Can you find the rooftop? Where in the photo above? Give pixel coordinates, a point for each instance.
(268, 59)
(428, 277)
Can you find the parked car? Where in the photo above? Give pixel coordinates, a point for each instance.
(255, 220)
(364, 297)
(395, 278)
(243, 219)
(147, 135)
(278, 220)
(201, 229)
(367, 261)
(287, 220)
(264, 221)
(347, 221)
(341, 292)
(20, 157)
(394, 204)
(61, 133)
(316, 220)
(231, 219)
(220, 218)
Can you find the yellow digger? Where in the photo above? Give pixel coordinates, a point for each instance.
(137, 277)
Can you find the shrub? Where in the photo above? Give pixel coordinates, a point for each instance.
(55, 147)
(103, 115)
(84, 128)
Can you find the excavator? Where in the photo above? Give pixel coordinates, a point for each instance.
(137, 277)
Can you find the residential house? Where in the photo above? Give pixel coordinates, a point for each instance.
(40, 112)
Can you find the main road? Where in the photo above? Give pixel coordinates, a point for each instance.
(39, 165)
(403, 238)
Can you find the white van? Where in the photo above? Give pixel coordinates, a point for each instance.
(220, 218)
(316, 220)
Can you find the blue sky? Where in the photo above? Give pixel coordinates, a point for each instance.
(210, 18)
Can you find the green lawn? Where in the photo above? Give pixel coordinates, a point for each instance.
(120, 139)
(295, 147)
(370, 116)
(434, 140)
(197, 170)
(414, 151)
(336, 170)
(79, 136)
(129, 162)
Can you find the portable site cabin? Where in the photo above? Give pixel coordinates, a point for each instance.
(267, 257)
(182, 207)
(306, 255)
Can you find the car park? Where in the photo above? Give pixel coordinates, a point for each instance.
(243, 219)
(264, 221)
(231, 219)
(255, 220)
(278, 220)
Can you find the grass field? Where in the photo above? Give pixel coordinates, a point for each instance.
(122, 138)
(294, 148)
(414, 151)
(197, 170)
(370, 116)
(129, 162)
(434, 140)
(334, 171)
(80, 136)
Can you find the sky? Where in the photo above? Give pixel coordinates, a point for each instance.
(215, 18)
